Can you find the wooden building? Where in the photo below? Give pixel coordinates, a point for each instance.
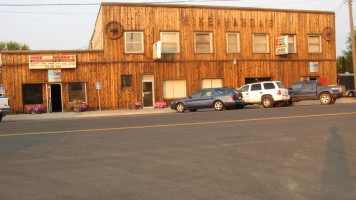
(151, 53)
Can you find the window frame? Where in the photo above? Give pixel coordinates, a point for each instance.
(85, 92)
(267, 43)
(123, 86)
(210, 42)
(142, 42)
(177, 41)
(237, 44)
(173, 80)
(309, 43)
(294, 42)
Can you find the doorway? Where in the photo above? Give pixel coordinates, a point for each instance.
(54, 97)
(147, 90)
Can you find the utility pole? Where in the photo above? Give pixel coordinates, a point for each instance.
(352, 41)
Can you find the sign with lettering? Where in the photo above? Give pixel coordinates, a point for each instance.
(281, 45)
(54, 75)
(314, 66)
(52, 62)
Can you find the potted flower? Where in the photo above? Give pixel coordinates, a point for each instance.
(135, 105)
(37, 109)
(160, 105)
(79, 106)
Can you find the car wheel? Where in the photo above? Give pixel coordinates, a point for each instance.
(218, 105)
(325, 98)
(267, 102)
(290, 103)
(0, 117)
(193, 110)
(180, 107)
(350, 94)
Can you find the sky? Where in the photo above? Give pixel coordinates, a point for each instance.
(70, 27)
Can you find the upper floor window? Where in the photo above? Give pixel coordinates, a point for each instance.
(233, 42)
(203, 42)
(260, 43)
(170, 42)
(314, 44)
(134, 42)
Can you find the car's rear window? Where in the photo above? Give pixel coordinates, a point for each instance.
(222, 91)
(280, 85)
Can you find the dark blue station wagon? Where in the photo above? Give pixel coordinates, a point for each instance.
(217, 98)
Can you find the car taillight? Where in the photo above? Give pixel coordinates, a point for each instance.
(233, 96)
(279, 92)
(340, 89)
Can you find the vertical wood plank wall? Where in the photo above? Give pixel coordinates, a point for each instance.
(110, 62)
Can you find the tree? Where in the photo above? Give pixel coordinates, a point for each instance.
(12, 45)
(344, 62)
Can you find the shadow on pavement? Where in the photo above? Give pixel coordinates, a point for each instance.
(337, 180)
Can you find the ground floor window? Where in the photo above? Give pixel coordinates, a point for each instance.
(32, 94)
(126, 82)
(174, 89)
(77, 91)
(212, 83)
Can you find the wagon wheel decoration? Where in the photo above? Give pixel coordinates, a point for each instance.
(328, 33)
(114, 30)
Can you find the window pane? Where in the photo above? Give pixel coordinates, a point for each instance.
(268, 86)
(169, 48)
(134, 42)
(174, 88)
(203, 48)
(32, 94)
(169, 37)
(203, 38)
(203, 42)
(126, 81)
(260, 43)
(76, 91)
(233, 43)
(255, 87)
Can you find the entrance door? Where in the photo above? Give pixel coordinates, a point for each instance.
(147, 90)
(55, 98)
(147, 94)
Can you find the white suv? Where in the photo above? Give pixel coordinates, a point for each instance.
(267, 93)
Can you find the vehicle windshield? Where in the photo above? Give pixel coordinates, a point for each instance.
(280, 85)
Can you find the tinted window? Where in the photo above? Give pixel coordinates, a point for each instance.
(308, 85)
(32, 94)
(255, 87)
(196, 94)
(244, 88)
(280, 85)
(222, 91)
(269, 86)
(296, 86)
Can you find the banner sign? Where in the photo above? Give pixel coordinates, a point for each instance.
(52, 62)
(281, 45)
(314, 66)
(54, 75)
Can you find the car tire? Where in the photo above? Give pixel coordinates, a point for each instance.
(193, 110)
(218, 105)
(325, 98)
(0, 117)
(290, 103)
(350, 94)
(267, 102)
(180, 107)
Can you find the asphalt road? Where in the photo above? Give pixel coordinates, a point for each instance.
(301, 152)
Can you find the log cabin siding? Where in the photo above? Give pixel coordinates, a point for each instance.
(111, 62)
